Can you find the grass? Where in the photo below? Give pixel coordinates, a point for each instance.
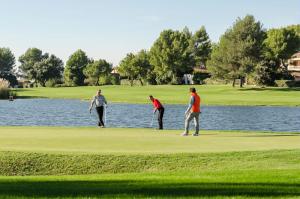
(57, 162)
(210, 94)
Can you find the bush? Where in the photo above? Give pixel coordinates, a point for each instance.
(115, 79)
(287, 83)
(127, 82)
(212, 81)
(105, 80)
(199, 77)
(4, 89)
(50, 83)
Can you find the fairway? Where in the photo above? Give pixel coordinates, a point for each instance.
(174, 94)
(85, 162)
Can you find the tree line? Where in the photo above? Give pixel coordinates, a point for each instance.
(246, 51)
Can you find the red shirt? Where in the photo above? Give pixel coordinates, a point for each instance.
(157, 104)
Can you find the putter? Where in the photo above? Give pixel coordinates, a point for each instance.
(105, 115)
(151, 124)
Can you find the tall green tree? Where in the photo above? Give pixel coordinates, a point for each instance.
(201, 47)
(40, 67)
(29, 62)
(171, 57)
(142, 67)
(238, 51)
(95, 69)
(136, 67)
(296, 28)
(49, 68)
(73, 73)
(126, 68)
(7, 64)
(281, 44)
(266, 72)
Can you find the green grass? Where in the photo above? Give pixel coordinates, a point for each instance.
(210, 94)
(138, 141)
(57, 162)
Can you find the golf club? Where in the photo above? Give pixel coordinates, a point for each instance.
(105, 109)
(151, 124)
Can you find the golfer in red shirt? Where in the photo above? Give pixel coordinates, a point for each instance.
(158, 107)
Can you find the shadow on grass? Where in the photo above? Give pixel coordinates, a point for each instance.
(25, 96)
(30, 97)
(270, 89)
(136, 188)
(270, 135)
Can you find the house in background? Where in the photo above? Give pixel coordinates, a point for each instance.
(294, 66)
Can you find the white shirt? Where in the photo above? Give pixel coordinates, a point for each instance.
(98, 101)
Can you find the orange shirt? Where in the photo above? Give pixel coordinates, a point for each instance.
(196, 105)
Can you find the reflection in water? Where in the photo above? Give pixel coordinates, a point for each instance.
(62, 112)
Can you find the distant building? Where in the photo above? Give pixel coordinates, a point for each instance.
(114, 70)
(294, 66)
(189, 78)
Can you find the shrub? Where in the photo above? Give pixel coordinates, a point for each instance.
(287, 83)
(104, 80)
(4, 89)
(50, 83)
(127, 82)
(115, 79)
(199, 77)
(212, 81)
(281, 83)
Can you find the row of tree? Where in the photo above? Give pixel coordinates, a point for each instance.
(245, 51)
(41, 68)
(172, 55)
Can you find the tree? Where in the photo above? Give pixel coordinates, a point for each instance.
(142, 66)
(200, 45)
(265, 72)
(28, 63)
(40, 67)
(238, 51)
(281, 44)
(136, 67)
(296, 28)
(95, 69)
(171, 57)
(7, 63)
(49, 68)
(126, 68)
(73, 73)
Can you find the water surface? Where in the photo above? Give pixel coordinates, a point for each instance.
(66, 112)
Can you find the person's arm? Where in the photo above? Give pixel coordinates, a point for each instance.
(105, 102)
(92, 104)
(192, 101)
(155, 105)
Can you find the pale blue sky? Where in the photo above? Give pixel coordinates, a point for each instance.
(111, 28)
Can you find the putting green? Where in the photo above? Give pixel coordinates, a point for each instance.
(138, 141)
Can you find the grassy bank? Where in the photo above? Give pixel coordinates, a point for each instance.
(210, 94)
(238, 184)
(57, 162)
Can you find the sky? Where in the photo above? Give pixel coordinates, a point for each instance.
(109, 29)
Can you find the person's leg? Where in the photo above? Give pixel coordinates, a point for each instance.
(188, 119)
(196, 121)
(160, 117)
(101, 115)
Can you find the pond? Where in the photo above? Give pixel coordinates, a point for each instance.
(66, 112)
